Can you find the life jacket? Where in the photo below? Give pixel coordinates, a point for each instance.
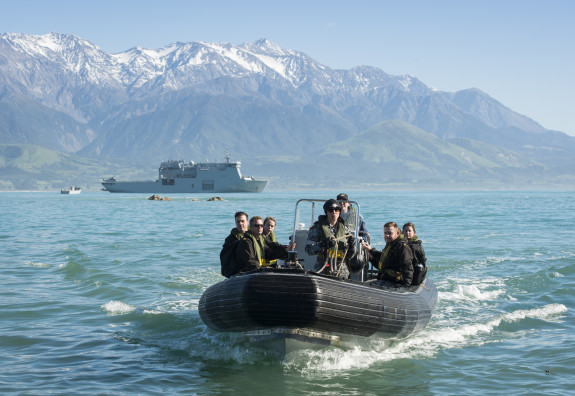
(235, 232)
(272, 237)
(259, 251)
(337, 252)
(397, 276)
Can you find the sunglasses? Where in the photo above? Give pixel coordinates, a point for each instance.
(258, 225)
(333, 209)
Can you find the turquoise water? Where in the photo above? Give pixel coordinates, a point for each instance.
(99, 295)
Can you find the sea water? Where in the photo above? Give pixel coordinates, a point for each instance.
(99, 295)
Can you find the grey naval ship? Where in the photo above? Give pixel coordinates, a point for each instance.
(178, 176)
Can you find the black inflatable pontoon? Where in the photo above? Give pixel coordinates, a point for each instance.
(300, 304)
(295, 304)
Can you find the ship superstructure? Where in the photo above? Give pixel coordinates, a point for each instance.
(177, 176)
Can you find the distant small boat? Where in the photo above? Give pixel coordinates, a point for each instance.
(71, 190)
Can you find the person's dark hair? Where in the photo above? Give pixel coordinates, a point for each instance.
(238, 214)
(409, 224)
(391, 224)
(268, 219)
(254, 219)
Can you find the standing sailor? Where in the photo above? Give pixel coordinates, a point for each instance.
(332, 241)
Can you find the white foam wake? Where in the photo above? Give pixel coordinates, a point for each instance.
(424, 345)
(117, 308)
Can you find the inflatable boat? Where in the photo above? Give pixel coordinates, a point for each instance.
(286, 305)
(293, 307)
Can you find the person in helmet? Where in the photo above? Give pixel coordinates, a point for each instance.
(332, 241)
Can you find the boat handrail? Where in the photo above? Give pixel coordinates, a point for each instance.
(314, 219)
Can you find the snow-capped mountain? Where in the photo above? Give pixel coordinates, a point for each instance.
(63, 92)
(184, 63)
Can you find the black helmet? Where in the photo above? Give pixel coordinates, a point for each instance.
(330, 203)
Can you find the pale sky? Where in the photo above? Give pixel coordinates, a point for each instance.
(520, 52)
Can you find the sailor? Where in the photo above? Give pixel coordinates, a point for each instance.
(237, 233)
(348, 214)
(419, 260)
(254, 250)
(332, 241)
(269, 227)
(395, 261)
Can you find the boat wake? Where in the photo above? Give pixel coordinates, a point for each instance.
(425, 345)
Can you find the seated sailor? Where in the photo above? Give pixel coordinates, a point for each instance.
(395, 261)
(254, 251)
(419, 259)
(269, 227)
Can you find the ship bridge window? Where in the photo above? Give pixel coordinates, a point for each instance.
(207, 185)
(167, 182)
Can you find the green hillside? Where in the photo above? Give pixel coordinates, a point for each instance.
(29, 167)
(399, 142)
(397, 153)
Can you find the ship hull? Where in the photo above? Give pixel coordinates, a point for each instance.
(178, 177)
(182, 186)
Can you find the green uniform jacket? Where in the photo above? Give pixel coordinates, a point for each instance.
(249, 255)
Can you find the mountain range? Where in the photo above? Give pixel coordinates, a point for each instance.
(285, 115)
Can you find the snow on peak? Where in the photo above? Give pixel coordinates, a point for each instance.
(49, 41)
(405, 80)
(55, 42)
(196, 61)
(265, 46)
(34, 44)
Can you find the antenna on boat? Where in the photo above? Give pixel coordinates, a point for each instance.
(227, 157)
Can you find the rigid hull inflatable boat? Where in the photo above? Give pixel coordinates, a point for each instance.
(293, 307)
(298, 305)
